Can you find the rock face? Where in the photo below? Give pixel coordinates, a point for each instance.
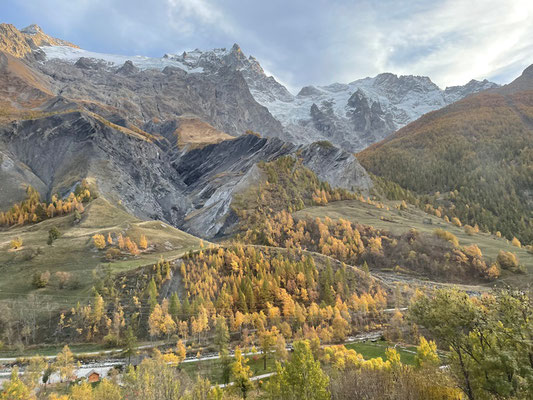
(22, 43)
(192, 189)
(221, 98)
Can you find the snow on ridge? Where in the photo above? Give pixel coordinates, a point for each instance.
(72, 55)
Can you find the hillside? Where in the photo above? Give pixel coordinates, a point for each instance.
(399, 222)
(473, 159)
(74, 252)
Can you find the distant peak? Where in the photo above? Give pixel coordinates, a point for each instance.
(32, 29)
(236, 48)
(528, 71)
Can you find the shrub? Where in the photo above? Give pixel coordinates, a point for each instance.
(470, 230)
(16, 243)
(515, 242)
(40, 280)
(456, 221)
(53, 234)
(62, 278)
(448, 236)
(112, 254)
(509, 261)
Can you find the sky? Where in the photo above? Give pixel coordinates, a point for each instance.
(303, 42)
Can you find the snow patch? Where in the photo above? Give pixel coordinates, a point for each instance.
(72, 55)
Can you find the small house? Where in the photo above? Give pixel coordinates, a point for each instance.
(93, 377)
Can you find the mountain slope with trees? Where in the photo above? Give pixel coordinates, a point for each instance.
(473, 159)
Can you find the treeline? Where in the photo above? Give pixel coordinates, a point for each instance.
(33, 210)
(435, 256)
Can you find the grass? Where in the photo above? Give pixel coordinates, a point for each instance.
(74, 252)
(52, 350)
(377, 349)
(213, 369)
(398, 222)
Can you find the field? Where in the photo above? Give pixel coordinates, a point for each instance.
(213, 369)
(74, 252)
(398, 222)
(377, 349)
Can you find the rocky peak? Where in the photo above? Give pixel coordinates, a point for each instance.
(128, 68)
(13, 42)
(22, 43)
(309, 91)
(32, 29)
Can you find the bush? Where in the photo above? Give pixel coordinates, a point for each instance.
(448, 236)
(53, 234)
(40, 280)
(99, 241)
(509, 261)
(62, 278)
(457, 222)
(470, 230)
(112, 254)
(16, 243)
(515, 242)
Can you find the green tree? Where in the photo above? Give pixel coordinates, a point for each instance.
(151, 294)
(221, 334)
(490, 338)
(53, 234)
(130, 344)
(174, 307)
(300, 378)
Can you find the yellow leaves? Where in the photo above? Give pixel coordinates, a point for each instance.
(426, 353)
(16, 243)
(448, 236)
(457, 222)
(515, 242)
(99, 241)
(143, 243)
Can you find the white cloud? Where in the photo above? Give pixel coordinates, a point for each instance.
(452, 43)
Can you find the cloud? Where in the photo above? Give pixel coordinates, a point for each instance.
(307, 42)
(452, 41)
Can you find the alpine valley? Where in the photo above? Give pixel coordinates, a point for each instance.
(194, 204)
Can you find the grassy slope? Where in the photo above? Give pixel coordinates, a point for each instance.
(401, 221)
(73, 251)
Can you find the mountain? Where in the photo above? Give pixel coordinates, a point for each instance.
(364, 111)
(473, 158)
(351, 116)
(22, 43)
(163, 138)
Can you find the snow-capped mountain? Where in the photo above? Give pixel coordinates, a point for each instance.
(362, 112)
(351, 116)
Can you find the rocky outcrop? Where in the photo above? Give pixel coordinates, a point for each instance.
(189, 188)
